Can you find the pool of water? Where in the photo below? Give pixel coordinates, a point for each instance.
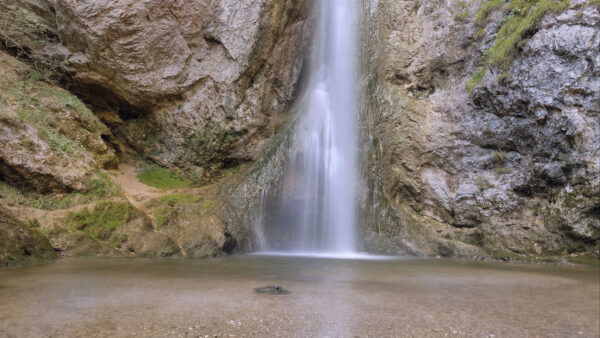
(329, 297)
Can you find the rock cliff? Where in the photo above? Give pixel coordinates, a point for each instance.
(188, 84)
(482, 121)
(198, 87)
(20, 242)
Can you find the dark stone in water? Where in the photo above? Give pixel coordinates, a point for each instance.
(272, 290)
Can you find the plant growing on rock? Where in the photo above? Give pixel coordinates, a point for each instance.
(522, 21)
(17, 24)
(499, 157)
(103, 220)
(483, 184)
(503, 171)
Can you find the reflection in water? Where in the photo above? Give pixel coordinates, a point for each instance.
(329, 297)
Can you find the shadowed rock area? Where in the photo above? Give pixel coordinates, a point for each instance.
(19, 242)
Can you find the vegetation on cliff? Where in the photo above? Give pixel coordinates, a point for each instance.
(103, 220)
(52, 146)
(522, 20)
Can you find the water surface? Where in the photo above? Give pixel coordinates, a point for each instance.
(329, 297)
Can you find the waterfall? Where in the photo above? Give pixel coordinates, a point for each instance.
(315, 210)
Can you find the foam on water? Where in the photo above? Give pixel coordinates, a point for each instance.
(329, 255)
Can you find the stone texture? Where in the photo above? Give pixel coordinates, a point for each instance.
(49, 141)
(512, 168)
(198, 83)
(509, 171)
(202, 224)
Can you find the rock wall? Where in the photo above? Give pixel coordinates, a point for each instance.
(49, 140)
(190, 84)
(197, 86)
(509, 170)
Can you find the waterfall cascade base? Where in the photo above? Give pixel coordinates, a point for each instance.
(315, 207)
(329, 297)
(329, 255)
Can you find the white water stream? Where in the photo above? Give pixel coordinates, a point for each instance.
(322, 172)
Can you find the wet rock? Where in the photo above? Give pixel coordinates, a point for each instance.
(272, 290)
(149, 244)
(75, 244)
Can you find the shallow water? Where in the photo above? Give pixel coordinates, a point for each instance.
(329, 297)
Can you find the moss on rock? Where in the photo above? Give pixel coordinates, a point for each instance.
(21, 243)
(102, 221)
(522, 20)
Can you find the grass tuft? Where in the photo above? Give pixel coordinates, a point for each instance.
(486, 9)
(103, 220)
(522, 21)
(475, 79)
(162, 178)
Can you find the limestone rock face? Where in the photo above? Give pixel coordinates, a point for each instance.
(513, 167)
(49, 141)
(202, 225)
(197, 82)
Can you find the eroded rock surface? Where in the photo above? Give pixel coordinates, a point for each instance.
(49, 141)
(513, 167)
(187, 83)
(510, 170)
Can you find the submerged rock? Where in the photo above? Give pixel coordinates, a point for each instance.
(272, 290)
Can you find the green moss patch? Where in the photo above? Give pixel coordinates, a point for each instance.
(209, 204)
(162, 178)
(101, 222)
(20, 242)
(476, 79)
(522, 21)
(60, 118)
(43, 107)
(486, 9)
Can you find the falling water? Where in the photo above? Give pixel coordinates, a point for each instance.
(317, 206)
